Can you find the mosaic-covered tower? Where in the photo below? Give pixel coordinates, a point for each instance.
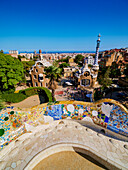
(96, 65)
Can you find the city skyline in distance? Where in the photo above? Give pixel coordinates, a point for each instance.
(63, 26)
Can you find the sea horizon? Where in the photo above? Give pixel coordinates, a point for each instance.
(53, 52)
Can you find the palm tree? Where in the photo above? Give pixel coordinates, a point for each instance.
(53, 73)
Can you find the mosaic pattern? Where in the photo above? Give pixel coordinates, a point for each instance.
(13, 122)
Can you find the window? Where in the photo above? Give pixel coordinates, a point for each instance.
(85, 82)
(36, 84)
(40, 77)
(34, 76)
(41, 85)
(40, 64)
(86, 74)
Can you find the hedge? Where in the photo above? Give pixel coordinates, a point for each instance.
(23, 94)
(13, 97)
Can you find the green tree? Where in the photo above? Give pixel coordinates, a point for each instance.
(126, 71)
(27, 66)
(52, 73)
(1, 51)
(62, 66)
(115, 72)
(79, 59)
(1, 103)
(105, 81)
(11, 72)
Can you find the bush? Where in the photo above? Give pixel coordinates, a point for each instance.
(23, 94)
(13, 97)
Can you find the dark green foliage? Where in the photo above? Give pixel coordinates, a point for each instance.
(89, 65)
(115, 72)
(27, 66)
(11, 72)
(36, 90)
(98, 94)
(1, 103)
(13, 97)
(23, 94)
(79, 59)
(53, 73)
(1, 51)
(1, 132)
(105, 80)
(126, 71)
(63, 65)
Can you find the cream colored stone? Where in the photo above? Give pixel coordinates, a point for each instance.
(8, 168)
(18, 162)
(14, 152)
(2, 164)
(71, 133)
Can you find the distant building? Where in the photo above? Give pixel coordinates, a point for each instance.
(68, 72)
(37, 74)
(118, 56)
(27, 55)
(90, 60)
(13, 53)
(71, 62)
(108, 57)
(87, 77)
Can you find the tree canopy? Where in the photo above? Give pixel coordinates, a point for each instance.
(11, 72)
(53, 73)
(1, 51)
(79, 59)
(115, 72)
(105, 80)
(27, 66)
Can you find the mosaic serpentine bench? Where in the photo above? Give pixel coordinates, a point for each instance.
(107, 113)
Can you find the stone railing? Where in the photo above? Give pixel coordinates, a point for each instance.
(107, 113)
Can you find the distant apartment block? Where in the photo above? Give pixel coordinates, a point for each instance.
(27, 55)
(13, 53)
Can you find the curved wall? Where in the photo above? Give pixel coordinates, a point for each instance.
(107, 113)
(26, 149)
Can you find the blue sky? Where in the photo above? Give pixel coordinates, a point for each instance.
(63, 25)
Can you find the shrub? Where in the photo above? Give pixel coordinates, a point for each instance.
(13, 97)
(23, 94)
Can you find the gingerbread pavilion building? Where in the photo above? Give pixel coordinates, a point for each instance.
(86, 77)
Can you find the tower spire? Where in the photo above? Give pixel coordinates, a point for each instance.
(97, 53)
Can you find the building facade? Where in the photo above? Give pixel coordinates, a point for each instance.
(90, 60)
(87, 77)
(13, 53)
(38, 78)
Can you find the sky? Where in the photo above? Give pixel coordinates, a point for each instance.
(63, 25)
